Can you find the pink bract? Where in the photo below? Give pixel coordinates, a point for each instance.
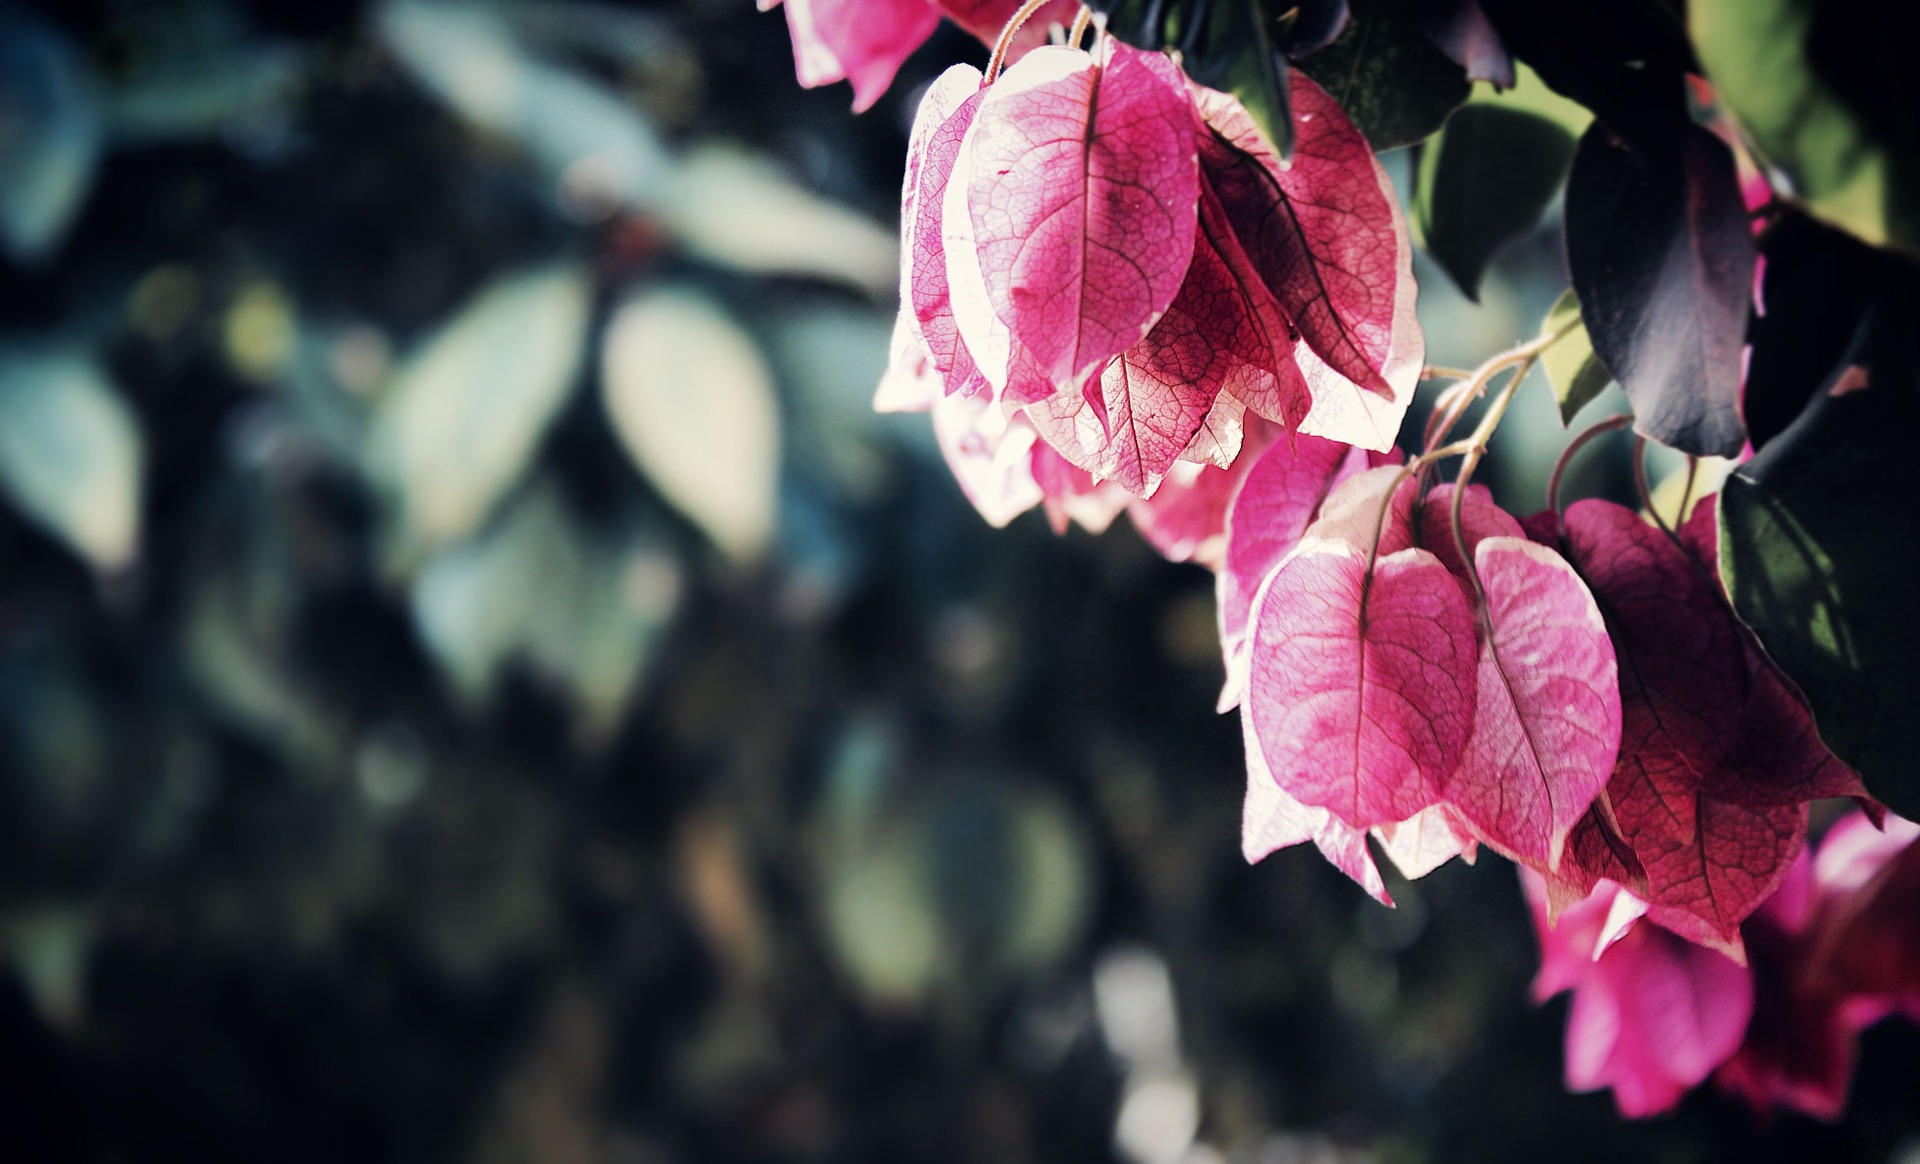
(1082, 183)
(1186, 518)
(939, 126)
(1652, 1014)
(1320, 246)
(1280, 497)
(1834, 951)
(1717, 758)
(860, 41)
(1546, 727)
(1359, 685)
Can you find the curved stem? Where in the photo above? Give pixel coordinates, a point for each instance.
(1080, 21)
(1414, 465)
(1453, 402)
(1476, 449)
(1438, 372)
(1612, 423)
(1004, 45)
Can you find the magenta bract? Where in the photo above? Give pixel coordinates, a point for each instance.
(860, 41)
(1360, 689)
(1546, 727)
(1082, 184)
(1652, 1014)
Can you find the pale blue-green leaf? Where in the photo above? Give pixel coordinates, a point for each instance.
(50, 136)
(739, 209)
(598, 148)
(693, 401)
(456, 427)
(70, 453)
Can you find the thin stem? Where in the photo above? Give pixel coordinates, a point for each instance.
(1453, 402)
(1080, 21)
(1612, 423)
(1437, 372)
(1476, 449)
(1414, 465)
(1710, 574)
(1197, 17)
(1005, 44)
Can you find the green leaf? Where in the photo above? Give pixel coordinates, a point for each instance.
(1820, 548)
(1484, 182)
(1233, 51)
(1230, 47)
(1531, 95)
(1395, 84)
(1576, 373)
(1822, 90)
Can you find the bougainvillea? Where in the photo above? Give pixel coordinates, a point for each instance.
(1151, 266)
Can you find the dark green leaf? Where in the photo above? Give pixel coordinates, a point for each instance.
(1224, 44)
(1626, 61)
(1822, 91)
(1484, 182)
(1576, 374)
(1815, 290)
(1232, 50)
(1661, 257)
(1395, 84)
(1311, 25)
(1820, 549)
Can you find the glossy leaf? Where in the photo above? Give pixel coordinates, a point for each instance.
(1483, 183)
(1391, 79)
(1359, 690)
(1464, 33)
(1822, 576)
(1308, 27)
(1229, 47)
(1815, 288)
(1818, 87)
(1662, 261)
(1625, 62)
(1577, 375)
(1082, 187)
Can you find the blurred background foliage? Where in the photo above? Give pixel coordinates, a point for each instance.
(478, 683)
